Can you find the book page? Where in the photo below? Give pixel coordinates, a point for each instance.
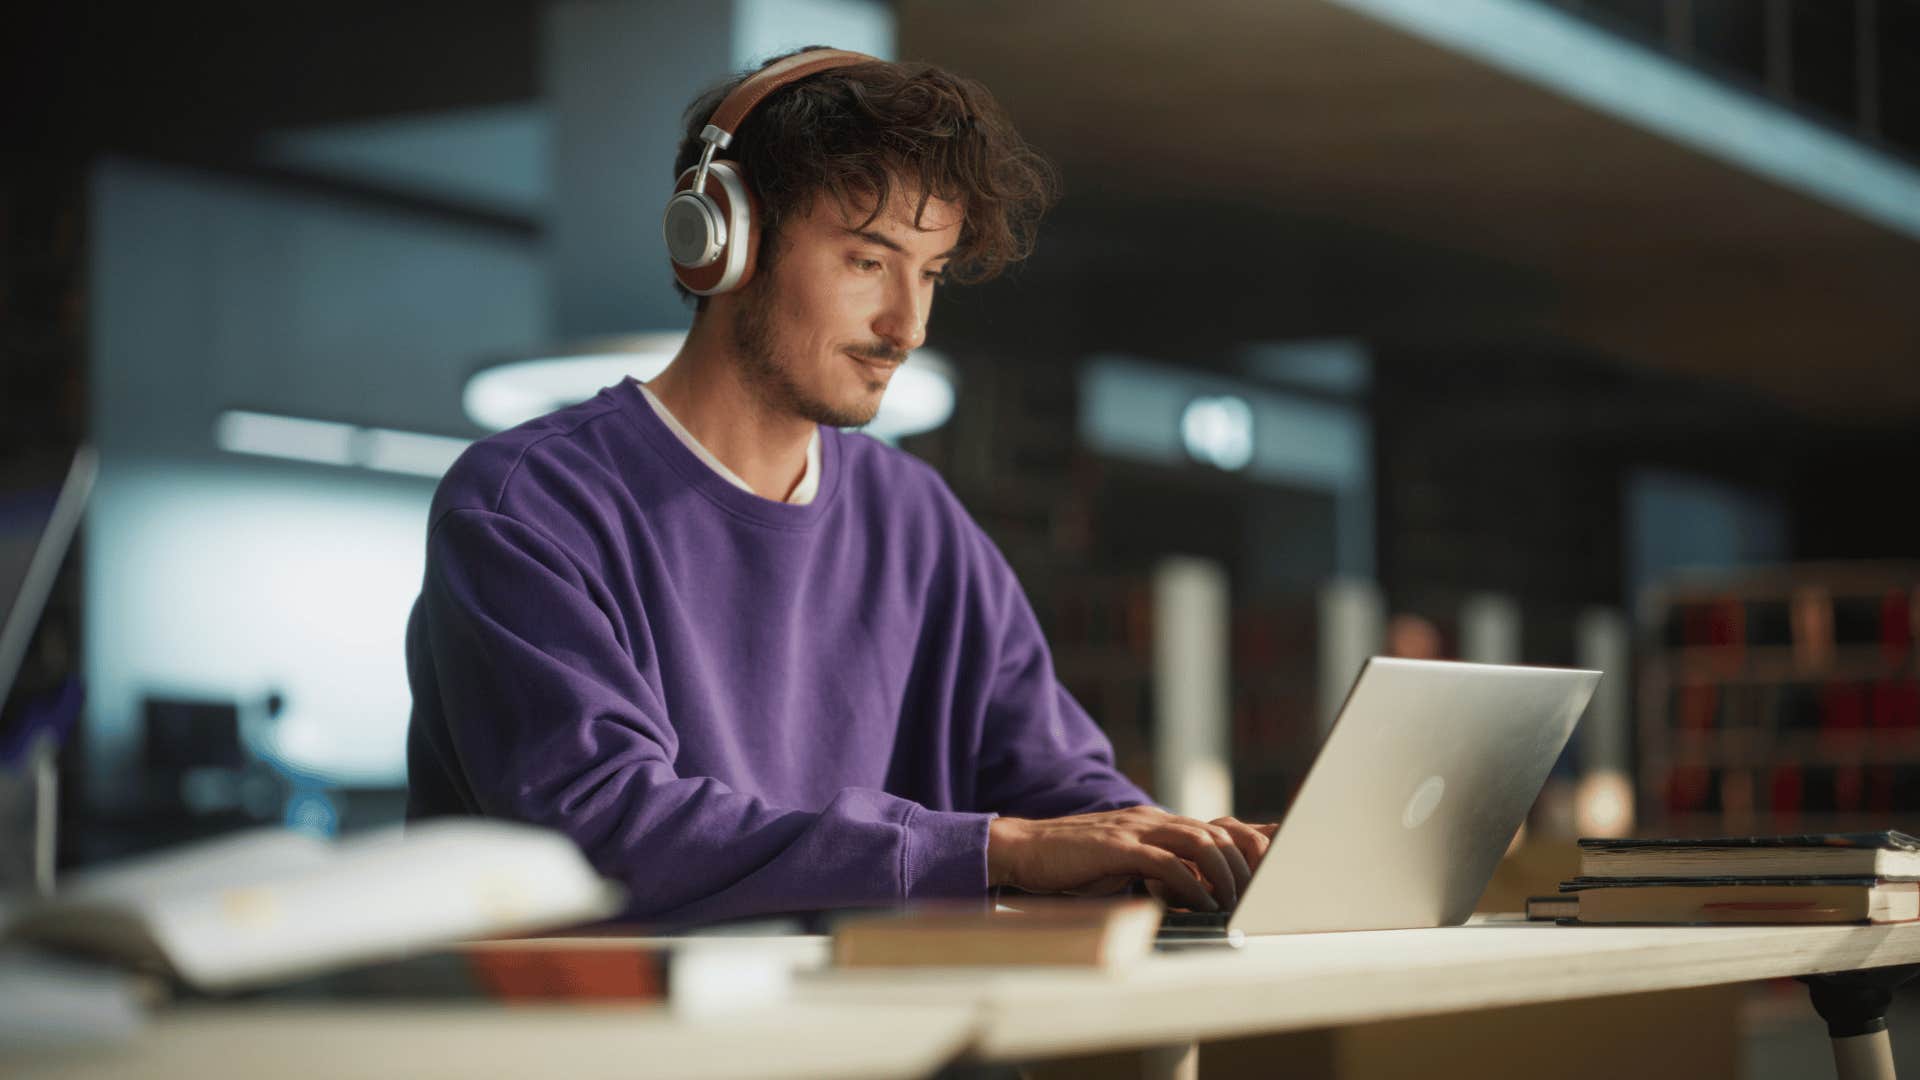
(240, 859)
(381, 895)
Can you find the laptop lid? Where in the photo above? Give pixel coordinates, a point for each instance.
(1428, 771)
(37, 523)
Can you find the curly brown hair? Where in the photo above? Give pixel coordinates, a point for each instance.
(854, 132)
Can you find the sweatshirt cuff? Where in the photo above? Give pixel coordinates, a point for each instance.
(946, 855)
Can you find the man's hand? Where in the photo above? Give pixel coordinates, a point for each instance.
(1197, 864)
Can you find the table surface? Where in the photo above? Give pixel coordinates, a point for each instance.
(909, 1022)
(796, 1041)
(1290, 982)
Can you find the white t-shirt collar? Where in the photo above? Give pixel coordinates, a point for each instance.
(803, 492)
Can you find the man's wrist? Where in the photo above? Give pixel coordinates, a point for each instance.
(1003, 842)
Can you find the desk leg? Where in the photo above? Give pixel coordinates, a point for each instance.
(1177, 1061)
(1854, 1005)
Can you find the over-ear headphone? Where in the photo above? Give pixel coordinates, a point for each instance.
(710, 220)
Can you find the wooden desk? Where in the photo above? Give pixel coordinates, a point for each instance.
(462, 1042)
(1294, 982)
(909, 1023)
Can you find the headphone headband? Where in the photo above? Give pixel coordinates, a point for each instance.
(726, 119)
(709, 220)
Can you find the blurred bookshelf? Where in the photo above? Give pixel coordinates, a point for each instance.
(1102, 630)
(1101, 627)
(1782, 700)
(1276, 702)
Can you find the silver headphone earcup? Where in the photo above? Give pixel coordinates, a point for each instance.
(694, 229)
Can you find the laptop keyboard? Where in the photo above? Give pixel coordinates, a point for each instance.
(1195, 920)
(1196, 928)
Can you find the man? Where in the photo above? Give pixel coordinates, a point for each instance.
(754, 664)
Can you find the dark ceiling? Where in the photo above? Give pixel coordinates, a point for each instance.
(1449, 201)
(1244, 171)
(206, 79)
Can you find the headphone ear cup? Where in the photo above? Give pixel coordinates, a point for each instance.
(734, 205)
(740, 194)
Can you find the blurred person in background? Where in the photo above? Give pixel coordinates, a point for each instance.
(1414, 637)
(749, 662)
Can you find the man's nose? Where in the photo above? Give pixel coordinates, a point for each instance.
(903, 322)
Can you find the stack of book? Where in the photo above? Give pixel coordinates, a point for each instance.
(1825, 878)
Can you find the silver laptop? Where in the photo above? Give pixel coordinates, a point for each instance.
(1429, 770)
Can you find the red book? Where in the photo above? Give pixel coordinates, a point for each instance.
(568, 967)
(1841, 707)
(1787, 790)
(1896, 627)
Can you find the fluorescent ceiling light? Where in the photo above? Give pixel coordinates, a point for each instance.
(919, 398)
(409, 452)
(328, 442)
(1550, 48)
(502, 396)
(292, 437)
(1218, 430)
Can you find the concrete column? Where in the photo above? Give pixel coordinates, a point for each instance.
(1604, 800)
(1192, 613)
(1353, 624)
(1490, 629)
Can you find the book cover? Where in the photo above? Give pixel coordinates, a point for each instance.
(1885, 855)
(1892, 839)
(1750, 902)
(1110, 934)
(1581, 884)
(1552, 908)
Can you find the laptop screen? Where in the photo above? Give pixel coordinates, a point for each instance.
(39, 513)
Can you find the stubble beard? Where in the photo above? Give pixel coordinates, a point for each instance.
(770, 377)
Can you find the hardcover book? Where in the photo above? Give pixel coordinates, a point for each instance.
(1713, 901)
(1111, 934)
(1887, 855)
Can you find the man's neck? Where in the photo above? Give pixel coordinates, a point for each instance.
(703, 390)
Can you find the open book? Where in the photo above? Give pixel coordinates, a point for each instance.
(269, 905)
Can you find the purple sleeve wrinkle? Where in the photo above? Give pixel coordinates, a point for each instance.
(554, 719)
(1041, 755)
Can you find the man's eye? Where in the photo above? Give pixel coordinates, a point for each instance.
(865, 264)
(938, 277)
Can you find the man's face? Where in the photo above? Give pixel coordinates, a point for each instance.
(821, 334)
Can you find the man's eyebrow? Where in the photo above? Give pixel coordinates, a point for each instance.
(888, 242)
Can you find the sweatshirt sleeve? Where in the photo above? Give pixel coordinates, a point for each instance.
(553, 719)
(1041, 755)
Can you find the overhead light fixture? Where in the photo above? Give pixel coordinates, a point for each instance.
(503, 395)
(329, 442)
(919, 397)
(297, 438)
(1218, 429)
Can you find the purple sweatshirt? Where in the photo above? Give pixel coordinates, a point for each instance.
(735, 706)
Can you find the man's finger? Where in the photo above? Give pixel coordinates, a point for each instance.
(1196, 843)
(1236, 859)
(1249, 840)
(1183, 888)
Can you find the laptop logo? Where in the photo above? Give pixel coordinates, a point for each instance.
(1426, 799)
